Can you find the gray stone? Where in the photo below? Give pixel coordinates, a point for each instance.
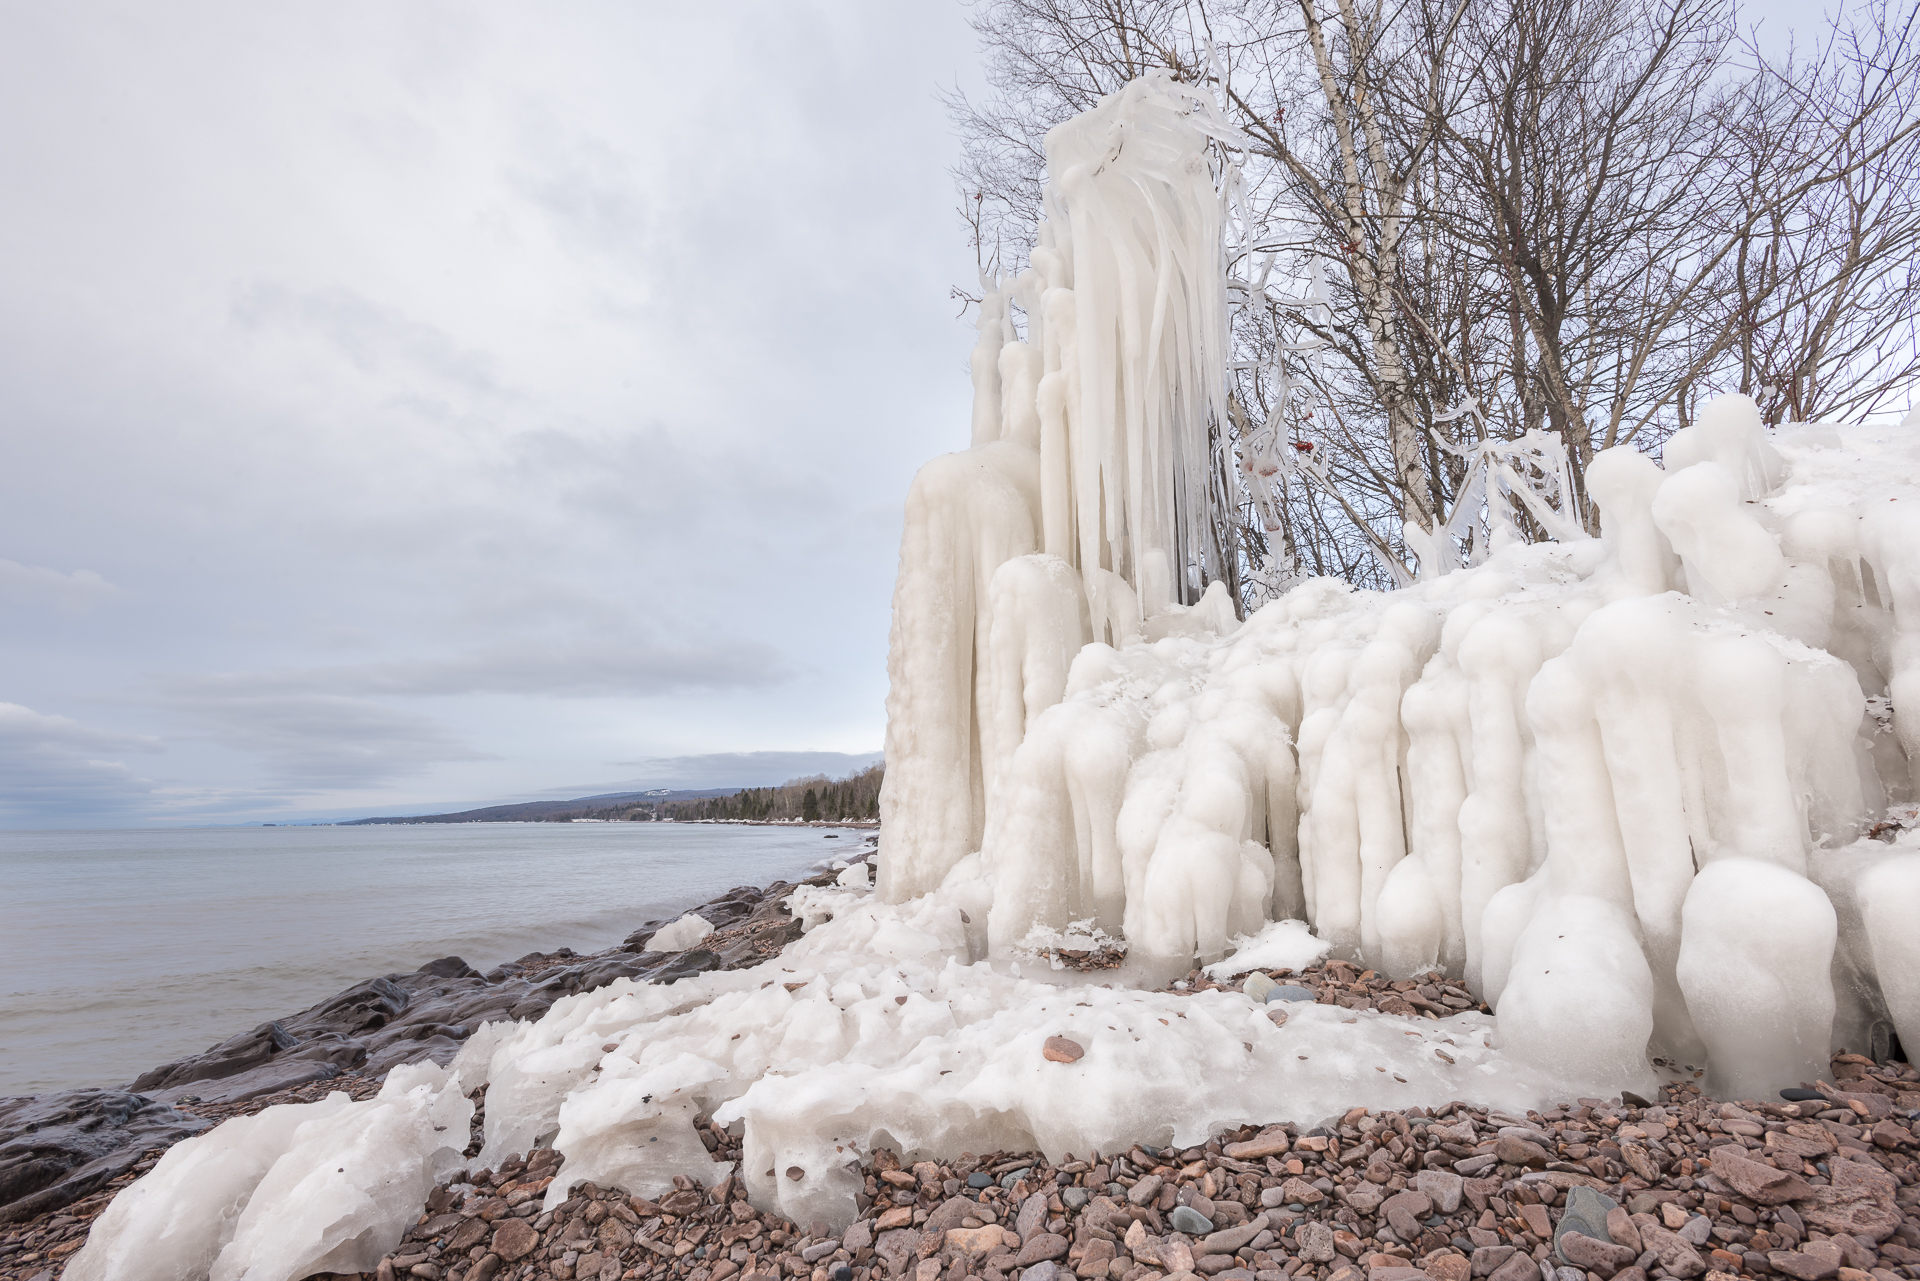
(1189, 1220)
(1678, 1257)
(950, 1213)
(858, 1236)
(1518, 1267)
(1474, 1166)
(1568, 1274)
(1075, 1198)
(1486, 1260)
(1227, 1240)
(1145, 1190)
(1514, 1150)
(1292, 992)
(1032, 1217)
(1586, 1214)
(979, 1179)
(1696, 1230)
(1442, 1188)
(1040, 1247)
(1315, 1242)
(1403, 1212)
(1591, 1255)
(1814, 1261)
(1046, 1270)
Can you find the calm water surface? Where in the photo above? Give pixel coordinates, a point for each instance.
(122, 950)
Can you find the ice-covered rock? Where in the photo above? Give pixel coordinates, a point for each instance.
(681, 934)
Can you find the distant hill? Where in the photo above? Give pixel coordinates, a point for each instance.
(554, 811)
(855, 798)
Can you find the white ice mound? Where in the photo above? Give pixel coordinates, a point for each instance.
(1514, 770)
(680, 935)
(1517, 771)
(1280, 945)
(296, 1189)
(874, 1030)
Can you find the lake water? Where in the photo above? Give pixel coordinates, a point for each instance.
(123, 950)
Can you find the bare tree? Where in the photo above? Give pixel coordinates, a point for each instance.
(1547, 227)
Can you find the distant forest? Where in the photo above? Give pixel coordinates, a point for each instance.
(855, 798)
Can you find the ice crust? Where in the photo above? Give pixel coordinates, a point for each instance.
(296, 1189)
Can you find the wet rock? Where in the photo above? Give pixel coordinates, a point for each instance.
(57, 1148)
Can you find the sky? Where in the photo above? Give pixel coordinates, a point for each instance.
(412, 407)
(417, 406)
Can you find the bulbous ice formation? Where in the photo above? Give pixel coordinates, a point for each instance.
(1526, 772)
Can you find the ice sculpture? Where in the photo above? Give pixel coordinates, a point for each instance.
(1619, 784)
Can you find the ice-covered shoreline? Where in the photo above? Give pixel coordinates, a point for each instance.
(607, 1081)
(1354, 1198)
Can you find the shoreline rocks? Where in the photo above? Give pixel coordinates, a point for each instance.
(59, 1148)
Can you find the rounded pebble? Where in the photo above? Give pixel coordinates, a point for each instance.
(1292, 992)
(980, 1179)
(1190, 1221)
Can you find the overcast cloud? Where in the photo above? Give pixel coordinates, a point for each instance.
(427, 405)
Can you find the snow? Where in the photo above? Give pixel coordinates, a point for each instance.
(680, 935)
(1281, 945)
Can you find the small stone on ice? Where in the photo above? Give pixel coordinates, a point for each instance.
(1060, 1049)
(1291, 992)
